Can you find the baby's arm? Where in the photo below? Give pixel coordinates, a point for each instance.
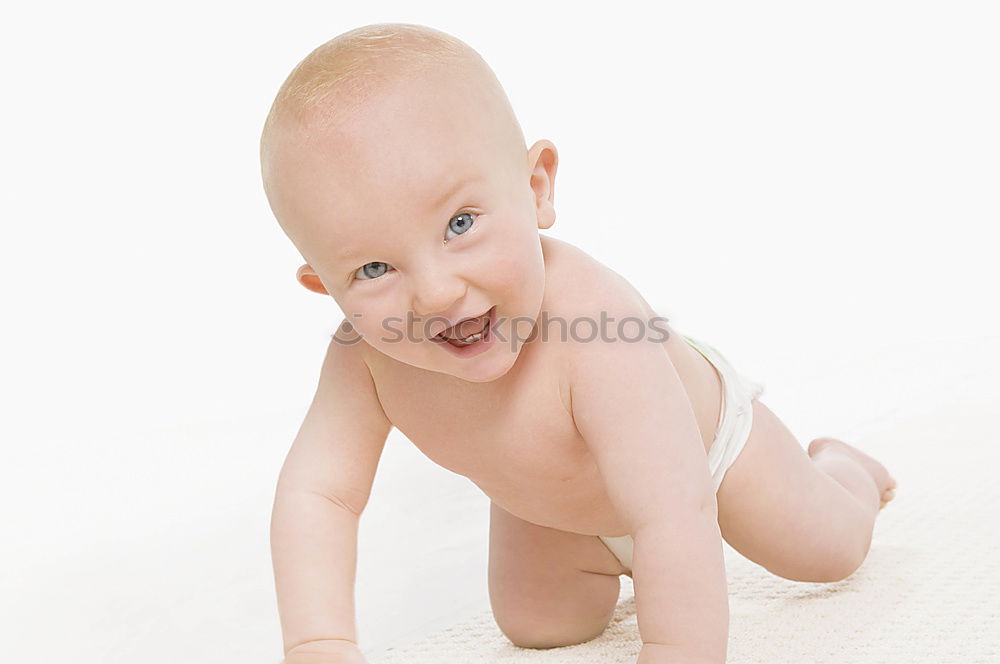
(631, 408)
(322, 489)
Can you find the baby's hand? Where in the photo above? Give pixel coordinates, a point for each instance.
(325, 652)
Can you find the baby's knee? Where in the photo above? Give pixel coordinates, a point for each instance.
(836, 565)
(550, 626)
(532, 634)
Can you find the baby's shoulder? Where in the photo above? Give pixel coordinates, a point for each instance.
(578, 285)
(596, 314)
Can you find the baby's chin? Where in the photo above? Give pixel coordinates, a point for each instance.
(480, 369)
(484, 368)
(484, 375)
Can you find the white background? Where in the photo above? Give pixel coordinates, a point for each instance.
(810, 187)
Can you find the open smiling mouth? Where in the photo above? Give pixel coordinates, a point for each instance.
(474, 331)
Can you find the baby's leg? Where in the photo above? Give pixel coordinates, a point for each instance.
(805, 516)
(548, 587)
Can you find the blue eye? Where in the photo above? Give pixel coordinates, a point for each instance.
(371, 270)
(459, 224)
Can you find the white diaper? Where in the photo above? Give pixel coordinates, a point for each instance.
(731, 433)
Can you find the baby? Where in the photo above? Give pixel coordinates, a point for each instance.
(607, 442)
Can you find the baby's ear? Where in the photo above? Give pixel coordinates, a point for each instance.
(543, 160)
(308, 278)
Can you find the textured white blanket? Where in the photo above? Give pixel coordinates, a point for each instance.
(929, 590)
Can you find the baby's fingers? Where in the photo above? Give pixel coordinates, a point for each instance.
(325, 652)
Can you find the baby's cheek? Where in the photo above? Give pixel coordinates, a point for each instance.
(521, 261)
(508, 271)
(388, 330)
(520, 272)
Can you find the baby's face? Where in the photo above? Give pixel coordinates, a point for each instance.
(416, 212)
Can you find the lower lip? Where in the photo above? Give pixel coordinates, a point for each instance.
(476, 347)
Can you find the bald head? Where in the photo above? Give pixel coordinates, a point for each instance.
(337, 80)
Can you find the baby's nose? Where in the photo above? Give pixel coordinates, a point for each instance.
(436, 296)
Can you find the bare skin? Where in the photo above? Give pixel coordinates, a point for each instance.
(552, 581)
(570, 440)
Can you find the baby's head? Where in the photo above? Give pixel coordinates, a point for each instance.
(393, 161)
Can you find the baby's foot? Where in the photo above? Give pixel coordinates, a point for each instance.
(885, 483)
